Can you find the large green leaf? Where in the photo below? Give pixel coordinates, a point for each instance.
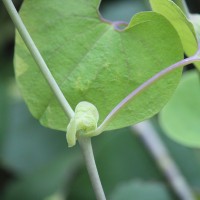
(180, 117)
(92, 61)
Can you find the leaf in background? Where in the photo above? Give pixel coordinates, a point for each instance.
(181, 155)
(183, 26)
(39, 157)
(141, 191)
(93, 62)
(115, 149)
(28, 146)
(180, 117)
(190, 170)
(54, 177)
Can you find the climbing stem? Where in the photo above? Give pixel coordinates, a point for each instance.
(85, 144)
(38, 58)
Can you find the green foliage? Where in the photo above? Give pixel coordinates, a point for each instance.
(40, 165)
(183, 27)
(140, 191)
(91, 61)
(180, 117)
(121, 158)
(112, 153)
(45, 181)
(22, 135)
(38, 156)
(188, 160)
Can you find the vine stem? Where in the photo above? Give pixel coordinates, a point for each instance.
(85, 143)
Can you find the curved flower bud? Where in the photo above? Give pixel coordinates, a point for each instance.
(85, 120)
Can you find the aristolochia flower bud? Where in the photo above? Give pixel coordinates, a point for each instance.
(85, 120)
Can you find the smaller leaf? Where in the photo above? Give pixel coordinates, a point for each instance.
(141, 191)
(183, 26)
(180, 117)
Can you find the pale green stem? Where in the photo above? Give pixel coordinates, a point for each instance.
(85, 143)
(38, 58)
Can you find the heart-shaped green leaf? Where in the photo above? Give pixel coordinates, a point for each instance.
(182, 25)
(91, 61)
(180, 117)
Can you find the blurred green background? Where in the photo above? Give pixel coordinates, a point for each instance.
(35, 162)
